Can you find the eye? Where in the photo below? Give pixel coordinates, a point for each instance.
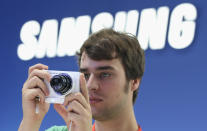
(87, 75)
(104, 75)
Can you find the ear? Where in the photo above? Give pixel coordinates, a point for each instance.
(135, 84)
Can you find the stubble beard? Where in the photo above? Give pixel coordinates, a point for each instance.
(109, 113)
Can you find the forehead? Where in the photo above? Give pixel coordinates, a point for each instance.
(90, 64)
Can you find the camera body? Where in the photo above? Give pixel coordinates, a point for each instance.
(61, 84)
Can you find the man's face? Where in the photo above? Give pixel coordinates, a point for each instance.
(106, 83)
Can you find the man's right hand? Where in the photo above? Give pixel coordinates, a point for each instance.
(33, 94)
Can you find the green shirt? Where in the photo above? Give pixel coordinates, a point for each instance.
(57, 128)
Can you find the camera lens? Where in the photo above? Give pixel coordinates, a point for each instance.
(61, 83)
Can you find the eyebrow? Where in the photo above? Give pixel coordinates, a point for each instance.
(98, 68)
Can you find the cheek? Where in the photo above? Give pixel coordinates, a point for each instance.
(109, 85)
(112, 89)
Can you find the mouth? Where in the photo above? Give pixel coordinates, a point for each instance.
(95, 100)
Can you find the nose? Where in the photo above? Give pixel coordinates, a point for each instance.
(92, 83)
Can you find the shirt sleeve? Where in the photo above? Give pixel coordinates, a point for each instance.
(57, 128)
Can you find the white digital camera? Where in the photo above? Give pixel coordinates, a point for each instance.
(61, 84)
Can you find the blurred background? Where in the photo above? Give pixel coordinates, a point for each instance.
(172, 94)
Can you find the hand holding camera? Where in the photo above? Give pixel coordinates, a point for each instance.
(61, 84)
(66, 89)
(34, 91)
(76, 109)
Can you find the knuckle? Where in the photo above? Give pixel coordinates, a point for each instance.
(38, 64)
(78, 95)
(67, 97)
(26, 93)
(27, 85)
(30, 69)
(73, 103)
(33, 72)
(23, 91)
(35, 78)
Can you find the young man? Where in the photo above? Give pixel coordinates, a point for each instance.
(113, 65)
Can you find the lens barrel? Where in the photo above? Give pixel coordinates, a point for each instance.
(61, 83)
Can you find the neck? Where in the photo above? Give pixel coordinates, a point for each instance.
(124, 121)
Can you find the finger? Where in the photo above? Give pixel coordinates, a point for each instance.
(36, 82)
(33, 94)
(76, 107)
(78, 119)
(40, 73)
(77, 97)
(37, 66)
(61, 110)
(83, 87)
(73, 117)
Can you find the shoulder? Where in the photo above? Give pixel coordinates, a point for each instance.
(57, 128)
